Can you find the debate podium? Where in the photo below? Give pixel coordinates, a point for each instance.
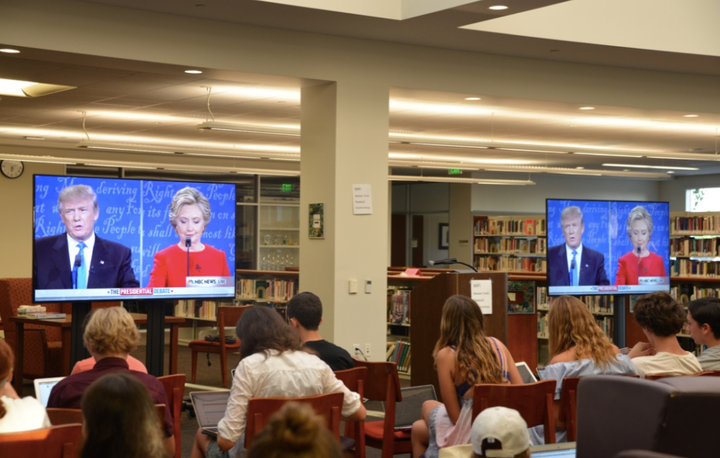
(426, 303)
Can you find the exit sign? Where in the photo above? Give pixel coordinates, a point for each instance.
(287, 187)
(454, 172)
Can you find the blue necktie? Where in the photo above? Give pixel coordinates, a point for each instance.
(82, 270)
(574, 270)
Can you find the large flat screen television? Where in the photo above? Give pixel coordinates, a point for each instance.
(125, 239)
(607, 247)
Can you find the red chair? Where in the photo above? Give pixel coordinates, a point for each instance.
(63, 416)
(382, 384)
(56, 442)
(568, 406)
(259, 410)
(226, 316)
(354, 380)
(174, 391)
(534, 401)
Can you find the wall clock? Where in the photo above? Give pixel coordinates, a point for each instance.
(12, 169)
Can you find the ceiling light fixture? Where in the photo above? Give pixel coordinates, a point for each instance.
(690, 116)
(250, 128)
(193, 72)
(472, 98)
(498, 7)
(205, 152)
(9, 51)
(587, 108)
(583, 153)
(662, 167)
(17, 88)
(461, 180)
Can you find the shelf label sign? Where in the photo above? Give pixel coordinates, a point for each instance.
(481, 292)
(362, 199)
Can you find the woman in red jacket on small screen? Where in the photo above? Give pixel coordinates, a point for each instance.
(640, 262)
(189, 215)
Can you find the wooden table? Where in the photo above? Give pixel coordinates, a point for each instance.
(66, 326)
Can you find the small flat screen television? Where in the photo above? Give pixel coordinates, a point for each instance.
(145, 239)
(607, 247)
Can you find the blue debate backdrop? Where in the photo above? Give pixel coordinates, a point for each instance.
(135, 214)
(606, 228)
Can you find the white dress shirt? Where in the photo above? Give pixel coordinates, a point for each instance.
(22, 415)
(281, 375)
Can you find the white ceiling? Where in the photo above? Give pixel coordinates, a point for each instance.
(153, 104)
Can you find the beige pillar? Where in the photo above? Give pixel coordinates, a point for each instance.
(344, 143)
(461, 223)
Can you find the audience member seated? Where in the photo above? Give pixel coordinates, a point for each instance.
(496, 432)
(661, 318)
(703, 317)
(463, 356)
(295, 432)
(88, 363)
(272, 364)
(578, 347)
(304, 311)
(17, 414)
(121, 420)
(110, 336)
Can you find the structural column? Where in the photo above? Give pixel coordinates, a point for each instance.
(345, 151)
(461, 223)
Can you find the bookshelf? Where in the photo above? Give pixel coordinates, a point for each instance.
(515, 244)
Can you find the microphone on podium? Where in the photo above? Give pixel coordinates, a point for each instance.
(188, 242)
(76, 266)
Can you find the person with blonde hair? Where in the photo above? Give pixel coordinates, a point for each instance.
(640, 262)
(295, 431)
(17, 414)
(189, 215)
(110, 336)
(463, 356)
(578, 347)
(121, 420)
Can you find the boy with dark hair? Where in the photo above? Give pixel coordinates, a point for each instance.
(304, 311)
(703, 318)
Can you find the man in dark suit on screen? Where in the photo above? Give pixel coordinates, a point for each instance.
(572, 264)
(77, 258)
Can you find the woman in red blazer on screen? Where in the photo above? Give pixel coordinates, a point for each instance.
(189, 215)
(640, 262)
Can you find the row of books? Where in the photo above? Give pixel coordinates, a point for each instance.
(689, 246)
(506, 264)
(267, 290)
(206, 310)
(399, 352)
(535, 226)
(695, 224)
(687, 293)
(596, 304)
(694, 268)
(510, 246)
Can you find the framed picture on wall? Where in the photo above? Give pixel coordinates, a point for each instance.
(443, 236)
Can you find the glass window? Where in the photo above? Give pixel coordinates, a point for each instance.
(702, 200)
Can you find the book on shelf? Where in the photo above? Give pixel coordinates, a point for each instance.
(701, 224)
(279, 290)
(400, 307)
(399, 352)
(44, 316)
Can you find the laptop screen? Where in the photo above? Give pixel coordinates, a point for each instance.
(209, 407)
(561, 450)
(43, 387)
(525, 372)
(410, 409)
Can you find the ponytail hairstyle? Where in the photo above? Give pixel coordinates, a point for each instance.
(7, 362)
(461, 327)
(295, 432)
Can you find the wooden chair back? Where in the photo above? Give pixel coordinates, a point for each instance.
(568, 406)
(61, 416)
(61, 441)
(174, 391)
(259, 410)
(383, 384)
(534, 401)
(354, 380)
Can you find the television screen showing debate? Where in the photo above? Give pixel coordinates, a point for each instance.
(122, 239)
(607, 247)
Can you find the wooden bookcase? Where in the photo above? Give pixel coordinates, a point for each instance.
(516, 244)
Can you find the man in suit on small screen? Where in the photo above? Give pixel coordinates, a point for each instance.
(572, 263)
(77, 258)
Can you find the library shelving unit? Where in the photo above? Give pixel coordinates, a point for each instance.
(279, 225)
(515, 244)
(272, 288)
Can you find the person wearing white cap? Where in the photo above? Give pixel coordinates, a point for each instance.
(497, 432)
(500, 432)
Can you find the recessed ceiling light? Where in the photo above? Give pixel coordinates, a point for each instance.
(498, 7)
(690, 116)
(579, 168)
(670, 171)
(587, 108)
(473, 98)
(193, 72)
(9, 51)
